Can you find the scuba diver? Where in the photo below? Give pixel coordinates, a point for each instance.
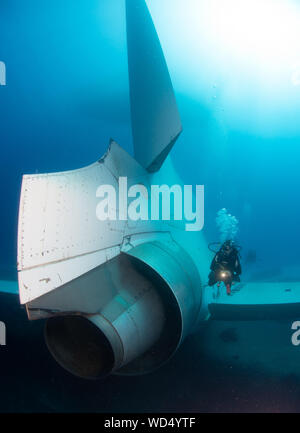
(225, 266)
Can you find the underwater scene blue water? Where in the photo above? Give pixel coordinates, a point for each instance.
(237, 84)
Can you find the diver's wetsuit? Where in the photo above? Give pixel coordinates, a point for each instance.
(225, 261)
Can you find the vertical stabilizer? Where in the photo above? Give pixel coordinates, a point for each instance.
(154, 115)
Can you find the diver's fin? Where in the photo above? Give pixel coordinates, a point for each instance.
(155, 119)
(257, 301)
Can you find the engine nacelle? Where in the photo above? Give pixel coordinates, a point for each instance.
(148, 301)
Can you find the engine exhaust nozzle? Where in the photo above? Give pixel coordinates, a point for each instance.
(79, 346)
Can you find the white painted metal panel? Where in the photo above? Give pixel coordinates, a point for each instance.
(58, 217)
(40, 280)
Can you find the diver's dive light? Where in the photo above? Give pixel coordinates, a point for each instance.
(225, 275)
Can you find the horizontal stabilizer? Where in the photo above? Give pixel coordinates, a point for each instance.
(257, 301)
(9, 287)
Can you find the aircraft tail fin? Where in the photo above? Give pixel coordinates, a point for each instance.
(155, 118)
